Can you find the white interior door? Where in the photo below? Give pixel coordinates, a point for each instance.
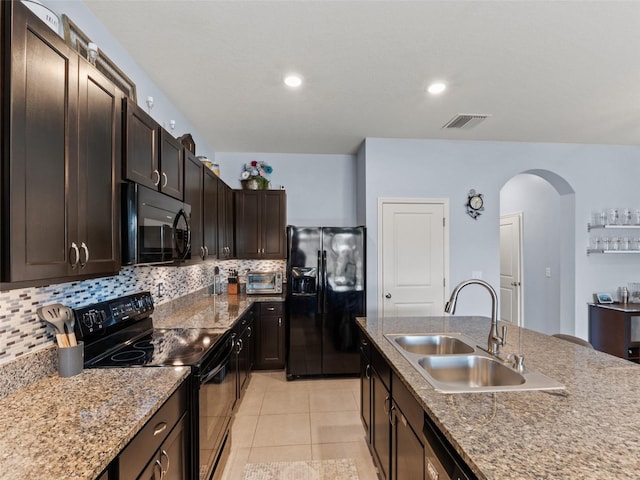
(511, 268)
(413, 256)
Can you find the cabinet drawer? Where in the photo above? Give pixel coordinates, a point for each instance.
(136, 455)
(382, 367)
(271, 308)
(408, 404)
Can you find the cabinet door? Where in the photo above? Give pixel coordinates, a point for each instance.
(173, 453)
(210, 213)
(99, 157)
(273, 219)
(365, 395)
(225, 221)
(248, 228)
(141, 147)
(381, 428)
(407, 450)
(270, 337)
(172, 166)
(40, 209)
(193, 195)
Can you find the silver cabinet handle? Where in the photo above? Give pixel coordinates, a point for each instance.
(166, 180)
(76, 252)
(388, 295)
(85, 249)
(279, 322)
(164, 453)
(202, 253)
(157, 181)
(161, 427)
(239, 343)
(249, 330)
(384, 405)
(391, 415)
(157, 464)
(367, 371)
(271, 309)
(206, 251)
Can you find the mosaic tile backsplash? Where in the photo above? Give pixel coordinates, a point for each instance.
(21, 331)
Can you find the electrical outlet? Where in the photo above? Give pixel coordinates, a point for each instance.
(547, 272)
(477, 274)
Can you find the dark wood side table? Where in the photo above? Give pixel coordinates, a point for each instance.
(615, 329)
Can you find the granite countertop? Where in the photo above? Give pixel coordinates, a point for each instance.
(74, 427)
(588, 431)
(208, 311)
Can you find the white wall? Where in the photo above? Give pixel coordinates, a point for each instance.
(163, 110)
(600, 175)
(320, 188)
(540, 205)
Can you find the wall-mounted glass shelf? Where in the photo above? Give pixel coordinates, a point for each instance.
(600, 250)
(624, 227)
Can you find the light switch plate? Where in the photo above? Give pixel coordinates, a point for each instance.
(477, 274)
(547, 272)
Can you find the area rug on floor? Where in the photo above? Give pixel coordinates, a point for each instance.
(334, 469)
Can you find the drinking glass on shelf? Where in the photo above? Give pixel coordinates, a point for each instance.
(614, 216)
(637, 216)
(603, 217)
(595, 243)
(626, 243)
(605, 243)
(615, 243)
(626, 216)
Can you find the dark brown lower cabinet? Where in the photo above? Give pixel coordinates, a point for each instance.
(160, 449)
(407, 447)
(365, 386)
(170, 462)
(270, 336)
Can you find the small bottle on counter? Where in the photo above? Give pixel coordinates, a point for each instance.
(624, 295)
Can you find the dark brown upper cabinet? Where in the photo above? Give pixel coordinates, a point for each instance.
(153, 157)
(225, 221)
(201, 192)
(261, 220)
(210, 213)
(62, 148)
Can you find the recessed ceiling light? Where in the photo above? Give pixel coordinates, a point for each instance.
(293, 80)
(436, 88)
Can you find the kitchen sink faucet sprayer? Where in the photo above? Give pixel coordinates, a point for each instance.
(495, 340)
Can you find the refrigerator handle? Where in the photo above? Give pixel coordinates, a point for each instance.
(320, 284)
(324, 281)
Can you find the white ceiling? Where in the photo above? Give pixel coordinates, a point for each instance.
(546, 71)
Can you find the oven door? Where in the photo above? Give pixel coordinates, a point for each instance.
(215, 400)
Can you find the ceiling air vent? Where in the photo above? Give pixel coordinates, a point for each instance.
(465, 120)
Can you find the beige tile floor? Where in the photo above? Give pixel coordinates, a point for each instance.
(300, 420)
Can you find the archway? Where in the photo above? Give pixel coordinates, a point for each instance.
(546, 203)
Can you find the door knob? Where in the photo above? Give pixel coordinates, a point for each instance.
(388, 295)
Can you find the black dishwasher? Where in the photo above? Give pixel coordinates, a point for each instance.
(442, 461)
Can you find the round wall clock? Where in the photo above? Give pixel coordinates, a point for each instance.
(475, 204)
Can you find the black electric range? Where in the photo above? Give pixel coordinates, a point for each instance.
(120, 333)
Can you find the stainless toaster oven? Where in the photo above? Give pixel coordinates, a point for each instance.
(261, 283)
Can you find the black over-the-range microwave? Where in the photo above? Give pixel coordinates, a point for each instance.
(155, 227)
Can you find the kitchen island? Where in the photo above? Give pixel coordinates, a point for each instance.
(587, 431)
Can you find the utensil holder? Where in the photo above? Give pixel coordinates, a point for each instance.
(71, 360)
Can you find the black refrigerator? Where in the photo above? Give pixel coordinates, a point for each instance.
(325, 292)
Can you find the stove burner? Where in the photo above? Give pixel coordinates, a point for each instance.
(144, 344)
(128, 356)
(189, 351)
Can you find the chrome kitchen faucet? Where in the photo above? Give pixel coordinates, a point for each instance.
(495, 340)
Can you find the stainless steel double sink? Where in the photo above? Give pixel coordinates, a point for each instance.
(452, 364)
